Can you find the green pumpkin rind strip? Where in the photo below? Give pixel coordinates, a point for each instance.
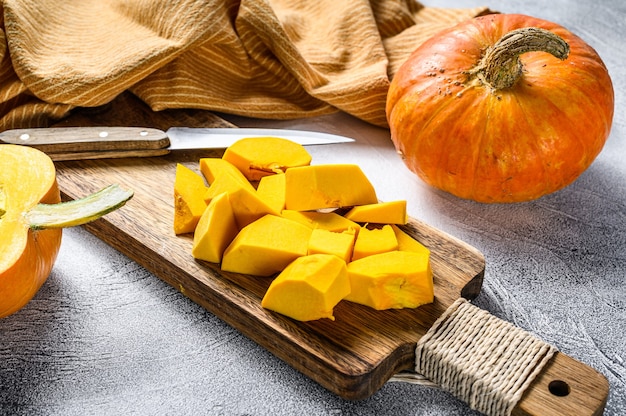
(79, 211)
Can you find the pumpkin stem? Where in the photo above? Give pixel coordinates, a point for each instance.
(79, 211)
(501, 67)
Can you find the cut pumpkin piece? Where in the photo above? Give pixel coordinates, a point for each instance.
(215, 167)
(189, 204)
(226, 178)
(329, 242)
(375, 241)
(408, 243)
(393, 280)
(32, 219)
(248, 207)
(330, 221)
(392, 212)
(309, 288)
(271, 190)
(266, 246)
(215, 231)
(222, 176)
(257, 157)
(327, 186)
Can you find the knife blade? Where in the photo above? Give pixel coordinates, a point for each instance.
(74, 143)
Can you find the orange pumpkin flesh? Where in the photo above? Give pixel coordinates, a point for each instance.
(29, 206)
(461, 131)
(27, 178)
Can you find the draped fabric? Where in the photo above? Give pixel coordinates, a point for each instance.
(276, 59)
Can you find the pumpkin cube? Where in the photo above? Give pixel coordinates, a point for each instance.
(392, 212)
(375, 241)
(222, 176)
(309, 288)
(327, 186)
(266, 246)
(215, 231)
(257, 157)
(215, 167)
(392, 280)
(330, 221)
(248, 206)
(225, 177)
(271, 190)
(329, 242)
(189, 204)
(408, 243)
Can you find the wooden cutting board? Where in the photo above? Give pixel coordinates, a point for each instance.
(352, 356)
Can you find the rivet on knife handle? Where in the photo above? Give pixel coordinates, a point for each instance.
(59, 140)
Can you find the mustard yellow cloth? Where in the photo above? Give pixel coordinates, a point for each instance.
(274, 59)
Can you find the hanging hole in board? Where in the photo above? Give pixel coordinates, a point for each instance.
(559, 388)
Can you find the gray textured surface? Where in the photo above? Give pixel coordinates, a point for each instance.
(105, 337)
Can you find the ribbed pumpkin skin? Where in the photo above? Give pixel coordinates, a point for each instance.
(499, 146)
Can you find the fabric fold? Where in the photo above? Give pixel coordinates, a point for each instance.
(275, 59)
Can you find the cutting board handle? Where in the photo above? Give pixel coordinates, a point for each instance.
(500, 369)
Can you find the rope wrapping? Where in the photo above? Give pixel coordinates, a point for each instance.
(481, 359)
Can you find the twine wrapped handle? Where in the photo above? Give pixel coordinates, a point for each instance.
(481, 359)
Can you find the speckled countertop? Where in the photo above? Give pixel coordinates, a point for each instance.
(104, 336)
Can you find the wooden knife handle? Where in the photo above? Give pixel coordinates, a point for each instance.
(67, 143)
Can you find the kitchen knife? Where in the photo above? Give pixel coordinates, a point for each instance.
(73, 143)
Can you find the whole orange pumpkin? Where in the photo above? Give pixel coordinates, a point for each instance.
(501, 108)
